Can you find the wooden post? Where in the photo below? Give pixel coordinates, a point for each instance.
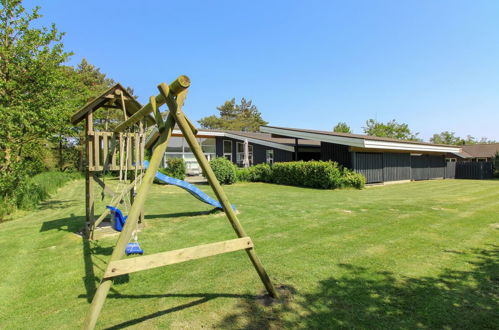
(140, 161)
(96, 151)
(131, 223)
(89, 197)
(215, 185)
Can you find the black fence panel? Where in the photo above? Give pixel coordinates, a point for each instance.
(420, 167)
(474, 170)
(370, 165)
(397, 166)
(450, 170)
(437, 167)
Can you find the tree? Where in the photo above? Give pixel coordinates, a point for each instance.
(342, 127)
(31, 81)
(446, 137)
(238, 117)
(391, 129)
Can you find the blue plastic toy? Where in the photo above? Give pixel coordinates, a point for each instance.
(190, 188)
(119, 219)
(119, 222)
(133, 248)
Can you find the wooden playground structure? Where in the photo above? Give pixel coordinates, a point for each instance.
(123, 150)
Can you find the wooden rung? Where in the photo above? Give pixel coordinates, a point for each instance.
(126, 266)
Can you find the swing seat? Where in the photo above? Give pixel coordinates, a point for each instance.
(119, 219)
(133, 248)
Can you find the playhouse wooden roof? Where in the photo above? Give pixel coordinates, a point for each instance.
(110, 99)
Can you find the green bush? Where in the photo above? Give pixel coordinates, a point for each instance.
(224, 170)
(243, 175)
(316, 174)
(176, 168)
(31, 191)
(261, 173)
(353, 179)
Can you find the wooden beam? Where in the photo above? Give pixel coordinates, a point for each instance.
(176, 87)
(103, 185)
(89, 197)
(96, 150)
(156, 113)
(215, 185)
(126, 266)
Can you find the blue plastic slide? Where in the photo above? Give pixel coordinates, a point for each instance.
(192, 189)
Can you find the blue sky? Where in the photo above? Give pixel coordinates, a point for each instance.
(309, 64)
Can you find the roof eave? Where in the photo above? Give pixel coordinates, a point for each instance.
(349, 141)
(359, 142)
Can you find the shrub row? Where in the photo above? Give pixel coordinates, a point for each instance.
(33, 190)
(316, 174)
(313, 174)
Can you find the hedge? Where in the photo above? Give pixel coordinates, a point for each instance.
(316, 174)
(313, 174)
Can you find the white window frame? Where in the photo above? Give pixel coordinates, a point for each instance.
(227, 155)
(240, 155)
(269, 156)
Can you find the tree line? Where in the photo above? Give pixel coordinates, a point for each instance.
(401, 131)
(39, 92)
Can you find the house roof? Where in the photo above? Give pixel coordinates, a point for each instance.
(110, 98)
(268, 137)
(252, 137)
(357, 140)
(485, 150)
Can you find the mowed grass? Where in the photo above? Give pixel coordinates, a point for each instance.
(414, 255)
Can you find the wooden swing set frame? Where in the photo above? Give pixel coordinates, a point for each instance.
(173, 96)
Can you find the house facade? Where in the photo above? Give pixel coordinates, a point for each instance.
(378, 159)
(229, 144)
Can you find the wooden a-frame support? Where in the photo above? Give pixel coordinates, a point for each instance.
(174, 96)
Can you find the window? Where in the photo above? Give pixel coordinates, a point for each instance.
(269, 156)
(228, 149)
(179, 148)
(207, 145)
(175, 144)
(240, 154)
(450, 160)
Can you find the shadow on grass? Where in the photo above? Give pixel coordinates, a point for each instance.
(365, 299)
(204, 297)
(56, 204)
(72, 224)
(181, 214)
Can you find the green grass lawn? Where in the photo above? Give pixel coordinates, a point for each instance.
(414, 255)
